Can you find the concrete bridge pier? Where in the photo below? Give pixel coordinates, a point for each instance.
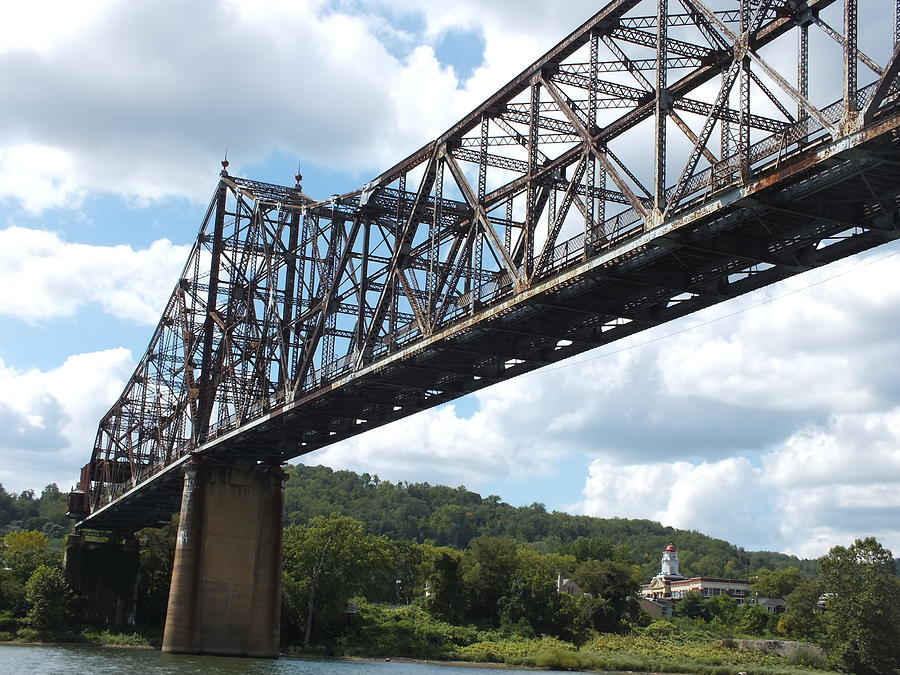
(104, 573)
(225, 595)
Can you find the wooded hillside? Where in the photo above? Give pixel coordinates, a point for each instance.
(452, 517)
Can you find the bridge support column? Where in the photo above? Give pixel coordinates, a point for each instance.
(104, 574)
(225, 596)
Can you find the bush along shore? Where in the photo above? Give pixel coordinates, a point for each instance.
(663, 646)
(375, 631)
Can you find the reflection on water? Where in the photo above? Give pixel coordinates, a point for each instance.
(26, 660)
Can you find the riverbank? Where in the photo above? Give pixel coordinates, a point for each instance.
(650, 652)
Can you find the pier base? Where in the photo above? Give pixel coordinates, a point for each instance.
(225, 596)
(103, 571)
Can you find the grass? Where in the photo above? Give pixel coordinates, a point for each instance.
(659, 648)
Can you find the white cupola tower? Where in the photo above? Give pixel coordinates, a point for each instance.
(670, 562)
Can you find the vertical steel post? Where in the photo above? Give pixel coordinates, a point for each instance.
(897, 22)
(207, 393)
(744, 132)
(803, 70)
(363, 285)
(662, 105)
(292, 257)
(803, 76)
(851, 61)
(531, 215)
(473, 279)
(590, 221)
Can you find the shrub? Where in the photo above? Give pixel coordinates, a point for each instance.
(118, 639)
(806, 655)
(558, 659)
(51, 601)
(8, 623)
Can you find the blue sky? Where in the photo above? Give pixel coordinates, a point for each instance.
(773, 421)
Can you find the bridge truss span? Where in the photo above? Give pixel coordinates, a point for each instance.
(653, 163)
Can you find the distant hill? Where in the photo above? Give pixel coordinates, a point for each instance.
(453, 517)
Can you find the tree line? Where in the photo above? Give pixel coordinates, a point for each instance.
(453, 517)
(353, 575)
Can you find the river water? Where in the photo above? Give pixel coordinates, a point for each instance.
(27, 660)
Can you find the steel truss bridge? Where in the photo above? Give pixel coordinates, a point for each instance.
(657, 161)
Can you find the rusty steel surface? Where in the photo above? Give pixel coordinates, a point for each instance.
(583, 202)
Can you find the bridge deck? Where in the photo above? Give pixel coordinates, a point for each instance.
(793, 219)
(522, 236)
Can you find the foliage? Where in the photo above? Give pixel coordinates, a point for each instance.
(514, 652)
(693, 606)
(532, 604)
(446, 599)
(806, 655)
(863, 599)
(108, 639)
(328, 562)
(777, 583)
(722, 609)
(381, 630)
(51, 601)
(24, 511)
(662, 647)
(754, 620)
(12, 594)
(8, 623)
(23, 551)
(488, 572)
(157, 552)
(453, 517)
(803, 620)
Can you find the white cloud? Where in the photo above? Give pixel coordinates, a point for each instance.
(712, 497)
(823, 486)
(49, 418)
(440, 446)
(776, 428)
(140, 100)
(55, 278)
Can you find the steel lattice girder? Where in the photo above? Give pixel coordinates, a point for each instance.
(523, 235)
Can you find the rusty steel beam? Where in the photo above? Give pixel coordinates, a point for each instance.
(501, 245)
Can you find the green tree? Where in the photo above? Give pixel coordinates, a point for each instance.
(863, 600)
(532, 604)
(692, 606)
(590, 548)
(723, 608)
(328, 562)
(7, 507)
(753, 620)
(12, 594)
(802, 620)
(612, 587)
(24, 551)
(157, 552)
(777, 583)
(51, 601)
(446, 597)
(488, 572)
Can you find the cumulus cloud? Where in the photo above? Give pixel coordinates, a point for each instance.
(776, 427)
(141, 100)
(48, 419)
(441, 446)
(56, 278)
(824, 485)
(711, 497)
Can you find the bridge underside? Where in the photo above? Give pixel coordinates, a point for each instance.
(816, 208)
